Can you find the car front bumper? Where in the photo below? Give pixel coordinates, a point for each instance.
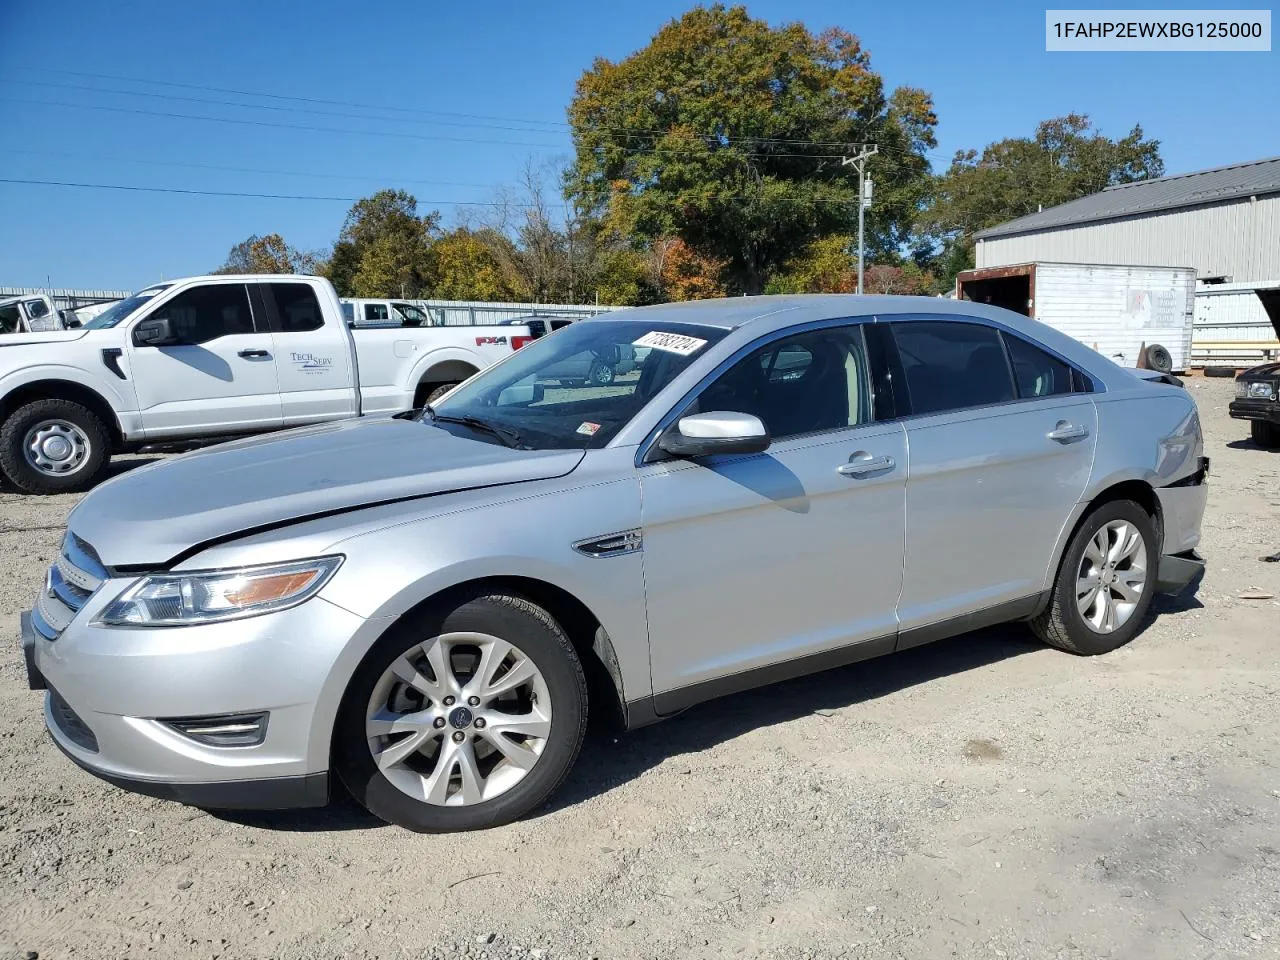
(111, 689)
(1244, 408)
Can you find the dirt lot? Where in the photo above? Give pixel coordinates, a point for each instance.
(983, 797)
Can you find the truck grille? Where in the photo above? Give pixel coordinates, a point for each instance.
(71, 581)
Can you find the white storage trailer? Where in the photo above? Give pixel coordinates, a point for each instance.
(1122, 312)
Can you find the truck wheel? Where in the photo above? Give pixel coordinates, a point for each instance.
(53, 446)
(466, 716)
(1159, 359)
(600, 374)
(1265, 435)
(1105, 583)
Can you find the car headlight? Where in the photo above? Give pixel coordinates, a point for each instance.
(1262, 391)
(210, 596)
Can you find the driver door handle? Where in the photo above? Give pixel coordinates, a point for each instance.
(1066, 432)
(861, 464)
(253, 354)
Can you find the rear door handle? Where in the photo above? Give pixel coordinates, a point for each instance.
(253, 354)
(861, 464)
(1066, 432)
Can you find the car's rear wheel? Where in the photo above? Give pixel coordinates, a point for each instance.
(1105, 582)
(53, 446)
(1265, 435)
(467, 716)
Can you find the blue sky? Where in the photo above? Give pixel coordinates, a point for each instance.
(985, 65)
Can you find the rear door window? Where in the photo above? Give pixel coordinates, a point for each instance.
(1036, 373)
(952, 365)
(376, 312)
(296, 308)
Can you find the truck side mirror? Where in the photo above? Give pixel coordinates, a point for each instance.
(154, 332)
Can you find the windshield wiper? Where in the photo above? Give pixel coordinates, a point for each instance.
(507, 435)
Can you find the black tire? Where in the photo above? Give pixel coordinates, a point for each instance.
(600, 374)
(23, 475)
(437, 392)
(1159, 359)
(1062, 625)
(508, 617)
(1265, 435)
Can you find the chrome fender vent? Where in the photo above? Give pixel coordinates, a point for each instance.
(613, 545)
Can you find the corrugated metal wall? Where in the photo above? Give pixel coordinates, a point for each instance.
(65, 297)
(1239, 239)
(1231, 324)
(1116, 310)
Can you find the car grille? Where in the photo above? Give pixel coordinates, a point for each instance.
(70, 724)
(71, 581)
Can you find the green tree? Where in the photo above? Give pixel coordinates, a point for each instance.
(728, 133)
(384, 249)
(466, 266)
(1067, 158)
(269, 254)
(823, 266)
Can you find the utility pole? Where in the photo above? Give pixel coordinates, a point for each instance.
(864, 195)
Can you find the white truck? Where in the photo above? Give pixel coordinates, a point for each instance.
(34, 313)
(213, 357)
(1134, 316)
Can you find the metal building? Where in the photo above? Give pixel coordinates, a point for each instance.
(1223, 222)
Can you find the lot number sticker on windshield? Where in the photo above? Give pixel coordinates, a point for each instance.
(587, 428)
(671, 342)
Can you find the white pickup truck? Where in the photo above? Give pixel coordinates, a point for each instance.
(212, 357)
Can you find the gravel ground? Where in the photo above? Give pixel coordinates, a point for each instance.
(982, 797)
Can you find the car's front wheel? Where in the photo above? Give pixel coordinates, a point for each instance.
(1105, 582)
(468, 715)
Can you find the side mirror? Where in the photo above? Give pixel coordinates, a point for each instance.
(705, 434)
(155, 332)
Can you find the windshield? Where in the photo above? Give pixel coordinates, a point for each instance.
(122, 308)
(576, 390)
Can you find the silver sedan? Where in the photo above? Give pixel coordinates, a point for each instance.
(426, 606)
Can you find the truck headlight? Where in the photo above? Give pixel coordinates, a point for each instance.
(209, 596)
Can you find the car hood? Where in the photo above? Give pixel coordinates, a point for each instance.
(1262, 371)
(40, 337)
(150, 515)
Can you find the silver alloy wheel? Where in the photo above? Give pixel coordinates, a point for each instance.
(1112, 576)
(56, 448)
(458, 719)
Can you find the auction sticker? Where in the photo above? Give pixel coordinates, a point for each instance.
(671, 342)
(587, 428)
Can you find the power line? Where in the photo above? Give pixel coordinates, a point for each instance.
(264, 106)
(226, 169)
(236, 193)
(295, 196)
(630, 133)
(284, 126)
(373, 133)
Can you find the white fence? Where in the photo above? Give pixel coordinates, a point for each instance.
(455, 313)
(63, 297)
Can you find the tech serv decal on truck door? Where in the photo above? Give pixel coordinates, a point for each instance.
(310, 363)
